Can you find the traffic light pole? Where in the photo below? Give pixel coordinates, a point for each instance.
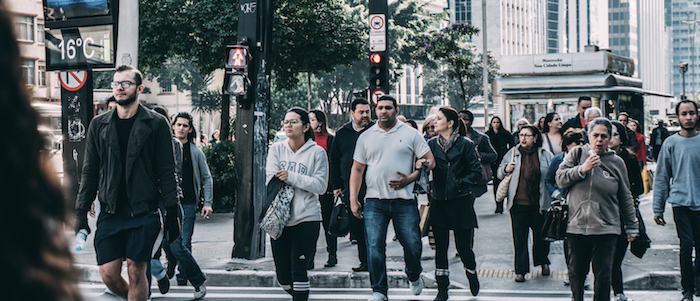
(254, 26)
(379, 53)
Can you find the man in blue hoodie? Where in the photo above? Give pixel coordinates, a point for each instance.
(675, 182)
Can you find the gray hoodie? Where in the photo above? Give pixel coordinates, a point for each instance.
(308, 174)
(601, 198)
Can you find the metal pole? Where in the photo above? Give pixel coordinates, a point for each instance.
(485, 62)
(128, 39)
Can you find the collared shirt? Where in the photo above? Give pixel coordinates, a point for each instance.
(386, 153)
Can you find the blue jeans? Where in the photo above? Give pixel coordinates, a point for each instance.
(189, 214)
(377, 214)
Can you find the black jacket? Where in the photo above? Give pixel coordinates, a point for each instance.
(341, 153)
(572, 123)
(660, 130)
(501, 142)
(150, 167)
(633, 173)
(456, 171)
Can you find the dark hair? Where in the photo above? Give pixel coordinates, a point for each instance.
(678, 106)
(191, 137)
(36, 260)
(536, 132)
(412, 123)
(387, 97)
(304, 116)
(570, 136)
(582, 98)
(321, 117)
(138, 77)
(501, 128)
(452, 115)
(163, 111)
(639, 127)
(621, 129)
(547, 120)
(110, 99)
(358, 101)
(623, 114)
(468, 113)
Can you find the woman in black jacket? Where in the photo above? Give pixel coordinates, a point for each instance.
(502, 141)
(452, 207)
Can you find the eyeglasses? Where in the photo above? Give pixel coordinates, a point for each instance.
(290, 121)
(526, 135)
(125, 84)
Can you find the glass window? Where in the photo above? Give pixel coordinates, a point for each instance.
(42, 76)
(40, 33)
(25, 28)
(28, 70)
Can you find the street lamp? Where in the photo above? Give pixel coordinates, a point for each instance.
(683, 68)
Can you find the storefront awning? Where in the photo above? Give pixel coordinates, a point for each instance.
(615, 89)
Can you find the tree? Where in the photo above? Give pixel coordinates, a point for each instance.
(450, 48)
(180, 72)
(207, 101)
(282, 100)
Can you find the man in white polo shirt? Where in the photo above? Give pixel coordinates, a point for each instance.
(387, 150)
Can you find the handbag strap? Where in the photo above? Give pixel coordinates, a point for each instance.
(549, 142)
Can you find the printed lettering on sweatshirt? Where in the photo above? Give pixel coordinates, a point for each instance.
(294, 167)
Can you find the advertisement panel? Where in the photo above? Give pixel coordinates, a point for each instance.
(78, 48)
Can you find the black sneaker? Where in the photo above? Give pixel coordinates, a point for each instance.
(332, 261)
(164, 285)
(687, 296)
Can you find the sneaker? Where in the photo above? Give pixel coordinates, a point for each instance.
(164, 285)
(566, 281)
(620, 297)
(332, 261)
(377, 296)
(687, 296)
(416, 286)
(200, 292)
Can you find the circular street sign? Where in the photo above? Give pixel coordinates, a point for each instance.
(377, 22)
(376, 95)
(72, 80)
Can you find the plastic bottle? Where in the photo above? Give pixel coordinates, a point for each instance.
(80, 239)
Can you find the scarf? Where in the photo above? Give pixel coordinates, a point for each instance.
(446, 144)
(528, 191)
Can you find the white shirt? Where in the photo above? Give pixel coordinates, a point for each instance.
(387, 152)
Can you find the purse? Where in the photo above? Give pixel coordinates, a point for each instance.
(486, 171)
(555, 219)
(339, 224)
(502, 190)
(278, 213)
(424, 211)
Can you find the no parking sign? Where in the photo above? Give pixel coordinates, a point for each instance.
(72, 80)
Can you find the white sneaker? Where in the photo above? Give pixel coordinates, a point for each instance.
(377, 296)
(200, 292)
(416, 286)
(620, 297)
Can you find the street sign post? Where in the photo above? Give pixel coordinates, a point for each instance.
(378, 60)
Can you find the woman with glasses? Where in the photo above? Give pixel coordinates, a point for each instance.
(527, 198)
(325, 140)
(302, 164)
(619, 134)
(502, 141)
(551, 134)
(456, 171)
(429, 128)
(600, 203)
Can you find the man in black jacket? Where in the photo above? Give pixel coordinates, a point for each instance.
(129, 159)
(658, 136)
(340, 164)
(631, 142)
(578, 122)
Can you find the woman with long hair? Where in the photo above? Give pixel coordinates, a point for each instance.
(600, 203)
(636, 189)
(324, 139)
(452, 204)
(502, 141)
(36, 261)
(641, 153)
(527, 198)
(551, 133)
(540, 124)
(302, 164)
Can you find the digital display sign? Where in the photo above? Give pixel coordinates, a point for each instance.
(63, 10)
(79, 48)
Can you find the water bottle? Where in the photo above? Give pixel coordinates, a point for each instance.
(80, 239)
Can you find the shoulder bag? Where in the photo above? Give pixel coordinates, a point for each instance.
(278, 213)
(339, 224)
(486, 171)
(557, 216)
(502, 190)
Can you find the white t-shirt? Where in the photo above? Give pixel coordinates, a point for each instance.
(387, 152)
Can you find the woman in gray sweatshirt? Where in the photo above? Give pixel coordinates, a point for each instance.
(599, 202)
(302, 164)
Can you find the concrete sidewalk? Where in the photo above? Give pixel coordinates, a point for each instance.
(213, 241)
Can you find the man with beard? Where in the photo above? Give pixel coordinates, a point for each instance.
(675, 182)
(387, 150)
(129, 157)
(340, 163)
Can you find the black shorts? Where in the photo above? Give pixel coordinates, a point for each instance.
(119, 236)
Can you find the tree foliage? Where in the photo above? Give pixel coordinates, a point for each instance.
(448, 47)
(282, 100)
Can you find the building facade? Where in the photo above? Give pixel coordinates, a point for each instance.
(682, 18)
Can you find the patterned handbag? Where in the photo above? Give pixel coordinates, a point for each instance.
(277, 214)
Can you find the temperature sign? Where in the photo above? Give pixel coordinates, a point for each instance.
(80, 48)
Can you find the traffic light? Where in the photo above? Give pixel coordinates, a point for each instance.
(378, 73)
(236, 80)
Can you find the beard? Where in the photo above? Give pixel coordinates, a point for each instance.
(129, 100)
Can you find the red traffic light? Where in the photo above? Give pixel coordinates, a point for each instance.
(375, 58)
(237, 57)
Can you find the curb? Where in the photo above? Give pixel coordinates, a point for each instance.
(660, 280)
